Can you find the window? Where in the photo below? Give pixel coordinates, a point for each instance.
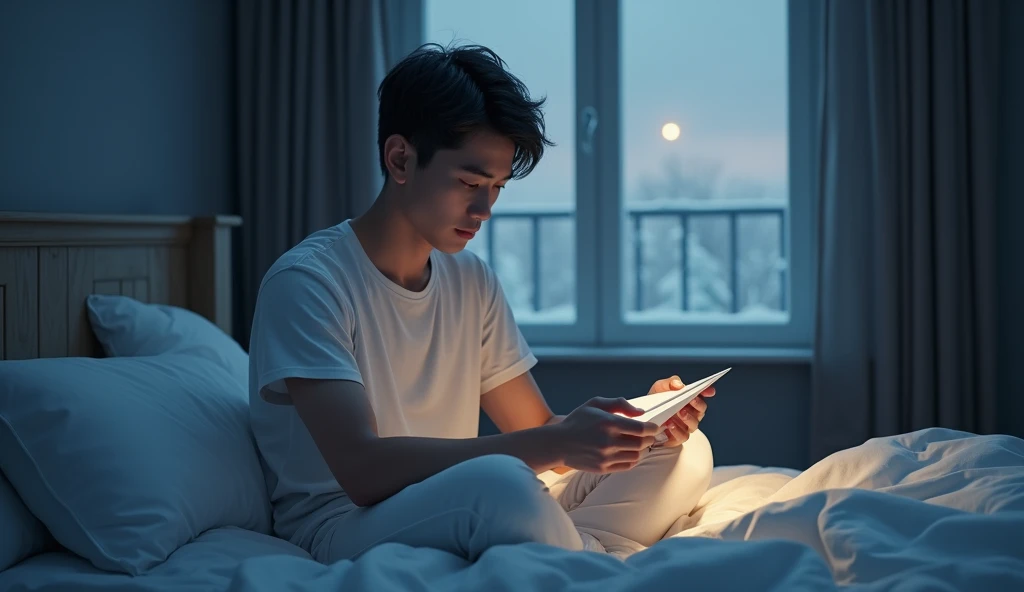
(674, 209)
(531, 239)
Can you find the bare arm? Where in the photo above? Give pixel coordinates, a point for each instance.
(340, 420)
(519, 405)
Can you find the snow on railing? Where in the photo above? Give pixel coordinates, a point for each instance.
(683, 210)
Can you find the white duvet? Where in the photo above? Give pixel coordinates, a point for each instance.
(931, 510)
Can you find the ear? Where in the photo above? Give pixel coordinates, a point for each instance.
(399, 157)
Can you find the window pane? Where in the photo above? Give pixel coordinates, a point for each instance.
(533, 227)
(762, 266)
(704, 160)
(512, 260)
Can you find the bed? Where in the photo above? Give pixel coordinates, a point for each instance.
(113, 332)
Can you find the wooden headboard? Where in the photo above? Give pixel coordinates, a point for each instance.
(50, 263)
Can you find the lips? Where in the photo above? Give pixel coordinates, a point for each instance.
(466, 234)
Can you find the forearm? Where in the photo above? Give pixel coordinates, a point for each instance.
(560, 469)
(409, 460)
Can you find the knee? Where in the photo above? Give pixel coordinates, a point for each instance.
(692, 462)
(503, 484)
(513, 503)
(698, 454)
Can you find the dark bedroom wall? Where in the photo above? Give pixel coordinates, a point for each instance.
(1010, 239)
(116, 106)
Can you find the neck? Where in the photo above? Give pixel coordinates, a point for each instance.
(392, 243)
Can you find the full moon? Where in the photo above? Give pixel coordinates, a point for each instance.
(670, 132)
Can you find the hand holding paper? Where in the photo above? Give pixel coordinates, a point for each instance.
(611, 435)
(676, 408)
(601, 436)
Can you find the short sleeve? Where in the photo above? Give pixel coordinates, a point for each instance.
(505, 353)
(302, 328)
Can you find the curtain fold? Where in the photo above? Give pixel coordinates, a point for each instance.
(905, 329)
(306, 83)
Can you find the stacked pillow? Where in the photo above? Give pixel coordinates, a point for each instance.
(23, 535)
(128, 328)
(125, 459)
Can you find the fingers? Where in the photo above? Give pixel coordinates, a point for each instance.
(619, 467)
(626, 456)
(624, 460)
(672, 383)
(633, 443)
(688, 417)
(680, 430)
(619, 405)
(699, 405)
(632, 427)
(623, 453)
(690, 421)
(676, 436)
(671, 436)
(679, 427)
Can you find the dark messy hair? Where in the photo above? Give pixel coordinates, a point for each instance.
(436, 96)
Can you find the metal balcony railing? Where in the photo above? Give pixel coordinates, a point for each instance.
(685, 211)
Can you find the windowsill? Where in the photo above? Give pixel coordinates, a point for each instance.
(757, 355)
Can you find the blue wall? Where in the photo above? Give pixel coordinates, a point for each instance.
(116, 106)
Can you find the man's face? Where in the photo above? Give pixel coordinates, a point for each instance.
(450, 198)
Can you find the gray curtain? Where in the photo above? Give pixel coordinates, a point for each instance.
(307, 76)
(905, 329)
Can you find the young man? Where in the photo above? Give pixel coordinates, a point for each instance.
(377, 342)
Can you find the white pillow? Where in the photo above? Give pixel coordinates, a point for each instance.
(22, 535)
(126, 327)
(127, 459)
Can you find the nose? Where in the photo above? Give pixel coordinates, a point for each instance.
(480, 208)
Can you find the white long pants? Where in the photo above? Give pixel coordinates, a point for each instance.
(499, 500)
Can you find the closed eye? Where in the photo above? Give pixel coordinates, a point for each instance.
(475, 185)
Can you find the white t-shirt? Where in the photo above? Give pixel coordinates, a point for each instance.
(324, 311)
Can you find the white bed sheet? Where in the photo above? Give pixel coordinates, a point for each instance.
(207, 563)
(930, 510)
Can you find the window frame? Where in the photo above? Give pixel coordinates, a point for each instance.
(599, 224)
(584, 331)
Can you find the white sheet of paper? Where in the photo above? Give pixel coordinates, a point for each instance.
(659, 407)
